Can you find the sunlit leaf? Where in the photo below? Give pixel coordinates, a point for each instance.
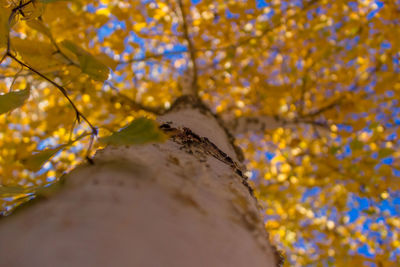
(38, 54)
(323, 73)
(40, 27)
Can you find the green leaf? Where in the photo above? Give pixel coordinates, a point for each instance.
(385, 152)
(36, 160)
(334, 149)
(13, 100)
(108, 61)
(19, 192)
(356, 144)
(140, 131)
(4, 27)
(49, 190)
(88, 63)
(14, 191)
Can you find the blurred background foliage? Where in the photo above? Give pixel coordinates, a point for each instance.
(328, 179)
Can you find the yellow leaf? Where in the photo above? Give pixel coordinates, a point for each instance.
(40, 27)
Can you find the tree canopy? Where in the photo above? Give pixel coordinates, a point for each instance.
(314, 83)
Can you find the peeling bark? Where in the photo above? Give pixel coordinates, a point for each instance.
(184, 202)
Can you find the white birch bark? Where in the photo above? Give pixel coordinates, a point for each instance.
(169, 204)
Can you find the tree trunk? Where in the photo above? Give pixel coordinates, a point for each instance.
(184, 202)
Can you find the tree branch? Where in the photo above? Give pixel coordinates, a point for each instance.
(79, 115)
(192, 49)
(153, 56)
(304, 84)
(259, 124)
(134, 104)
(59, 87)
(259, 36)
(323, 108)
(3, 57)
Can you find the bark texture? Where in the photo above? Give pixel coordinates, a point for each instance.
(180, 203)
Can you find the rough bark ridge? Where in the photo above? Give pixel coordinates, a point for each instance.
(181, 203)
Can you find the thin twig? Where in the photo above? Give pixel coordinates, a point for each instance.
(60, 88)
(304, 81)
(134, 104)
(153, 56)
(3, 57)
(15, 78)
(324, 108)
(88, 158)
(8, 53)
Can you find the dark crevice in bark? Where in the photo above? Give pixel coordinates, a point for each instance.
(191, 101)
(279, 257)
(187, 138)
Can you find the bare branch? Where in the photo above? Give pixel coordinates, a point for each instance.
(262, 123)
(134, 104)
(304, 84)
(153, 56)
(192, 49)
(15, 78)
(3, 57)
(322, 109)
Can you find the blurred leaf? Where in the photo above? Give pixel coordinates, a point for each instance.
(40, 27)
(35, 161)
(38, 54)
(88, 63)
(12, 191)
(108, 61)
(356, 144)
(49, 190)
(334, 149)
(4, 15)
(13, 100)
(385, 152)
(140, 131)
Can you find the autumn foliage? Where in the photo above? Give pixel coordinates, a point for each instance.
(326, 72)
